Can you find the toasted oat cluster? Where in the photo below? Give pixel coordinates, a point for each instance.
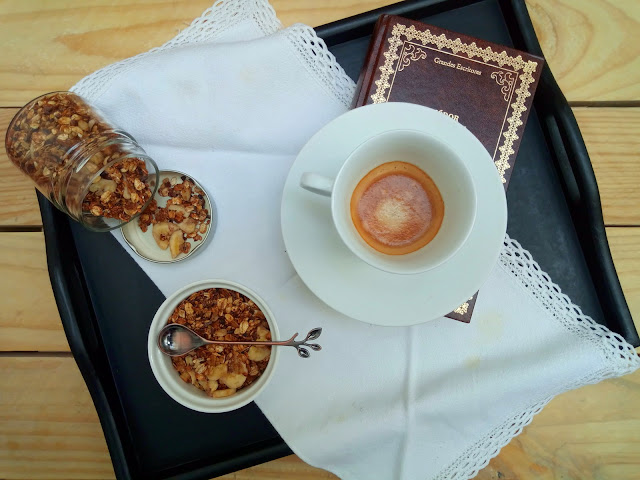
(44, 140)
(222, 314)
(184, 217)
(119, 192)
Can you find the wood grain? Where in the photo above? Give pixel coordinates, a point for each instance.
(611, 135)
(29, 320)
(49, 430)
(48, 425)
(625, 249)
(592, 46)
(17, 192)
(52, 45)
(286, 468)
(586, 434)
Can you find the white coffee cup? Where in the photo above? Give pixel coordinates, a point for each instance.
(434, 157)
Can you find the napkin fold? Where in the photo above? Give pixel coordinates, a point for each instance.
(230, 101)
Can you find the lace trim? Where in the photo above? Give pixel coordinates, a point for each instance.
(218, 18)
(519, 262)
(320, 62)
(620, 358)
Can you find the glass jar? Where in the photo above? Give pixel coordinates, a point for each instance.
(88, 168)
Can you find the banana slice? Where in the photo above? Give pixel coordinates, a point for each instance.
(162, 233)
(233, 380)
(103, 185)
(178, 208)
(217, 372)
(223, 393)
(262, 334)
(257, 354)
(188, 225)
(175, 242)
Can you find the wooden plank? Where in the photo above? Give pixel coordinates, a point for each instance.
(48, 424)
(586, 434)
(592, 46)
(612, 136)
(49, 430)
(625, 249)
(29, 319)
(52, 45)
(286, 468)
(17, 192)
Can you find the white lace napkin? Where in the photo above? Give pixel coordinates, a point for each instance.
(230, 101)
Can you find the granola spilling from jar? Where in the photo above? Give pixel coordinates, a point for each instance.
(46, 140)
(120, 191)
(222, 314)
(184, 217)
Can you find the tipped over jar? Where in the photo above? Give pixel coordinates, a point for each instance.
(87, 167)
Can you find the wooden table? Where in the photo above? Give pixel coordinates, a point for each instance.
(48, 425)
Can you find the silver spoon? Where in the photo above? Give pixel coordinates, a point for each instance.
(175, 340)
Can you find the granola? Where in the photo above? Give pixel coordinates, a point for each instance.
(50, 139)
(119, 191)
(222, 314)
(183, 218)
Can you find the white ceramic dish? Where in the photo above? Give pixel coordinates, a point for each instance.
(168, 378)
(144, 244)
(347, 283)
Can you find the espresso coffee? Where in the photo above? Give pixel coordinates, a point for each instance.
(397, 208)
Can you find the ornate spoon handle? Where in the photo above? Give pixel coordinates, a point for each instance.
(303, 352)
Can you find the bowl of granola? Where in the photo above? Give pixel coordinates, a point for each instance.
(176, 223)
(215, 378)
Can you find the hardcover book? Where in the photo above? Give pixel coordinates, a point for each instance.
(486, 87)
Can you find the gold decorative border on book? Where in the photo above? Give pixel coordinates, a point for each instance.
(411, 53)
(525, 68)
(462, 309)
(505, 80)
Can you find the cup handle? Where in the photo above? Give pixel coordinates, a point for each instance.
(317, 183)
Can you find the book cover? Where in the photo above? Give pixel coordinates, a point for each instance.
(486, 87)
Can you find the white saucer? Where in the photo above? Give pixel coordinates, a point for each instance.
(348, 284)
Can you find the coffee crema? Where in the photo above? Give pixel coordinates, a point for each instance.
(397, 208)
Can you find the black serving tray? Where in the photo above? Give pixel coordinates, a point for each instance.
(554, 211)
